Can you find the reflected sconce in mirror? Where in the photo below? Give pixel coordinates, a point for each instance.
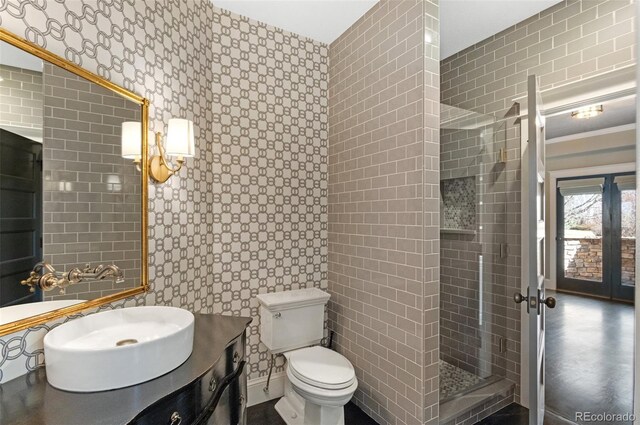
(180, 143)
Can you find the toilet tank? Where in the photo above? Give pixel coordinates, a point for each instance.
(292, 319)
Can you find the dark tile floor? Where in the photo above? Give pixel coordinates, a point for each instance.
(514, 414)
(265, 414)
(589, 367)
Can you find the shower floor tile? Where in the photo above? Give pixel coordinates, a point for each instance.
(454, 380)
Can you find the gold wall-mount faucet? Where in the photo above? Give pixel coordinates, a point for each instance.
(45, 277)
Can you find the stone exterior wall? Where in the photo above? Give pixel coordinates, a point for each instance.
(629, 261)
(583, 259)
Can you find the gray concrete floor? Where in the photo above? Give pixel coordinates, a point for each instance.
(589, 356)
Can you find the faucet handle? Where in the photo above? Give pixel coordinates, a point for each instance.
(31, 281)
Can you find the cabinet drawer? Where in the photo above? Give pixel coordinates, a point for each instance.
(218, 397)
(181, 408)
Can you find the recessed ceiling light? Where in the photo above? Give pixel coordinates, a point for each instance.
(587, 112)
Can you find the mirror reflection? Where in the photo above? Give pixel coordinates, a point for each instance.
(70, 203)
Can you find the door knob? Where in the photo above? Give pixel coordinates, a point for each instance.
(518, 298)
(549, 302)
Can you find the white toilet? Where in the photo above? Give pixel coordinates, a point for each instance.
(319, 381)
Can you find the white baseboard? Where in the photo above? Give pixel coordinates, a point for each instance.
(550, 284)
(255, 389)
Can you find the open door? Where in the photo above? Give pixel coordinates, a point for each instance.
(534, 300)
(20, 216)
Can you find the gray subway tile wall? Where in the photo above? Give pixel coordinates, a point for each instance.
(381, 141)
(431, 212)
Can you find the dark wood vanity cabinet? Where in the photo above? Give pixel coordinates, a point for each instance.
(210, 388)
(218, 397)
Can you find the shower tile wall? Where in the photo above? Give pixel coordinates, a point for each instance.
(567, 42)
(377, 261)
(91, 196)
(248, 213)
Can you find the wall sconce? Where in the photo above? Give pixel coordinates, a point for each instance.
(131, 141)
(180, 143)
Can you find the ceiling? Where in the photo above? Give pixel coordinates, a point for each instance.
(617, 114)
(321, 20)
(462, 22)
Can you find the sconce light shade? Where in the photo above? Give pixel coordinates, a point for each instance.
(180, 138)
(131, 139)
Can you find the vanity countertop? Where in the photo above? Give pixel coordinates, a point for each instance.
(30, 400)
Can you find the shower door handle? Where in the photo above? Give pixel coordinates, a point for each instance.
(518, 298)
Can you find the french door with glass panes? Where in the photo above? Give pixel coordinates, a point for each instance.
(596, 235)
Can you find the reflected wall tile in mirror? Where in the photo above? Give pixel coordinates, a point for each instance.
(21, 99)
(82, 123)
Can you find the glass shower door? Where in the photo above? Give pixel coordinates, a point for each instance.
(473, 251)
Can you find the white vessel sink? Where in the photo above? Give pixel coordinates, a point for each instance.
(118, 348)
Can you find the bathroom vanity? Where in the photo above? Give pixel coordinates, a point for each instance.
(209, 388)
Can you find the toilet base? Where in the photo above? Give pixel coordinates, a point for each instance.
(295, 410)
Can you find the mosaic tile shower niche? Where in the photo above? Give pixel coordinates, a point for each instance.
(458, 203)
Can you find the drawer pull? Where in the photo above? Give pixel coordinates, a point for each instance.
(213, 384)
(176, 419)
(242, 400)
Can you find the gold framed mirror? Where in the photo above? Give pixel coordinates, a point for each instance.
(73, 204)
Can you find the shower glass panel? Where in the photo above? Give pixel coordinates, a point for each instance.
(473, 250)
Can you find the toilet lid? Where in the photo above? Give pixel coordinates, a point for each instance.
(321, 367)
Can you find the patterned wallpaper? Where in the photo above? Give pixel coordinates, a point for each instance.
(248, 213)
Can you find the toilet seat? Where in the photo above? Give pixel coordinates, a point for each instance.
(321, 368)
